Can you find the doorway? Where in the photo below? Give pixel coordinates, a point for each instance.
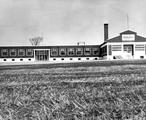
(129, 49)
(41, 55)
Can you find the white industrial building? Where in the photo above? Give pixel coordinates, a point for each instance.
(128, 45)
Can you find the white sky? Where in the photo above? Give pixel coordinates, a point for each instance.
(66, 22)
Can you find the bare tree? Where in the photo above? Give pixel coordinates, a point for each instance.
(36, 41)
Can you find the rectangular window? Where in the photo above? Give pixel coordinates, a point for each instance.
(139, 47)
(87, 51)
(116, 47)
(21, 52)
(71, 51)
(13, 52)
(109, 50)
(95, 51)
(4, 52)
(54, 51)
(145, 49)
(79, 51)
(29, 52)
(62, 51)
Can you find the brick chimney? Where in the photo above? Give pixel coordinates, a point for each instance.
(105, 32)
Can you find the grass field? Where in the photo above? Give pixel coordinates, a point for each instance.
(73, 91)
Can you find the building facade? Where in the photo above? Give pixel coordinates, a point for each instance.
(128, 45)
(49, 53)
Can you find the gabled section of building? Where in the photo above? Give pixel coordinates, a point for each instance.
(128, 45)
(128, 36)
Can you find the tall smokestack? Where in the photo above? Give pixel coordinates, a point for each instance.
(105, 32)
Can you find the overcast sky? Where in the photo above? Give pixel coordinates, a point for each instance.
(66, 22)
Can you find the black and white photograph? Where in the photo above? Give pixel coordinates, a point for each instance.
(72, 60)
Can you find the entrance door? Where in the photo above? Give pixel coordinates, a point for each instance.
(41, 55)
(128, 49)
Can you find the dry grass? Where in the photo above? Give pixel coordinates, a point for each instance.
(73, 93)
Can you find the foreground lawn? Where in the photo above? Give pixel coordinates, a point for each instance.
(73, 93)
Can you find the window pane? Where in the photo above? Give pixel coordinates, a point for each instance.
(79, 51)
(95, 51)
(13, 52)
(4, 52)
(139, 47)
(71, 51)
(21, 52)
(87, 51)
(54, 52)
(62, 51)
(116, 47)
(29, 52)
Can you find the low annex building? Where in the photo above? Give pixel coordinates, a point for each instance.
(49, 53)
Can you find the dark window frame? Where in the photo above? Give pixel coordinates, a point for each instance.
(28, 51)
(95, 50)
(12, 51)
(20, 51)
(61, 50)
(2, 52)
(70, 50)
(77, 50)
(54, 50)
(85, 51)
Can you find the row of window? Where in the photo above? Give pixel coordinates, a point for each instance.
(13, 52)
(73, 51)
(138, 47)
(54, 52)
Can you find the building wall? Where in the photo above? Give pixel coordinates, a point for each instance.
(117, 51)
(70, 53)
(17, 59)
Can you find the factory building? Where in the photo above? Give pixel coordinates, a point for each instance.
(128, 45)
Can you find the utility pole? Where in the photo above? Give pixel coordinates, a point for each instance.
(127, 22)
